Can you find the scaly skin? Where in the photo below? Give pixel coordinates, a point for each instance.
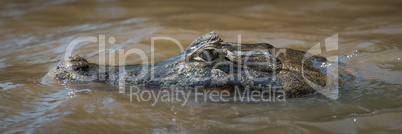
(210, 63)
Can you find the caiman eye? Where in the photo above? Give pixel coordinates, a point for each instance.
(209, 55)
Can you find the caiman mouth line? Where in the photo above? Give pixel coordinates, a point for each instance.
(211, 63)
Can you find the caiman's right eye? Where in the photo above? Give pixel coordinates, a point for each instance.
(209, 55)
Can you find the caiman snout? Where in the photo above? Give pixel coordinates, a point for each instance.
(74, 68)
(78, 63)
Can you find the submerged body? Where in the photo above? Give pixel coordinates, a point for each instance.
(210, 63)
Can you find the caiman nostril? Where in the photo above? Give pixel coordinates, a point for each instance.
(82, 66)
(76, 58)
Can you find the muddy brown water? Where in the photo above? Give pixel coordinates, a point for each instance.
(34, 36)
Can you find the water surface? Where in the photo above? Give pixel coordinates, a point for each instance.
(35, 34)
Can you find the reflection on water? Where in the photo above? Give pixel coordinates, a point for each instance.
(35, 34)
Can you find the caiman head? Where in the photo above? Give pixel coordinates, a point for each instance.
(211, 63)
